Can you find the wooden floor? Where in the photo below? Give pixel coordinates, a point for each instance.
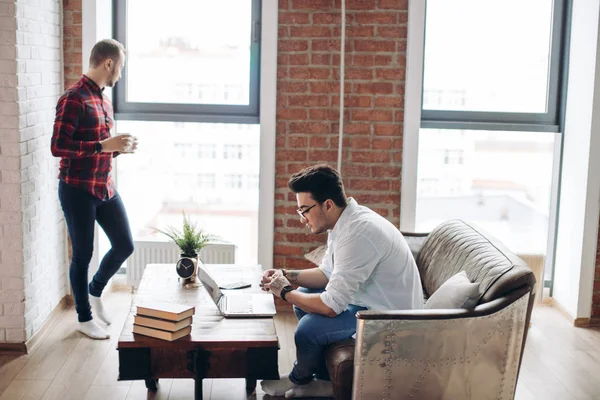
(561, 362)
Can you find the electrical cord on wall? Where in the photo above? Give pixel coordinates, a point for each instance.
(342, 62)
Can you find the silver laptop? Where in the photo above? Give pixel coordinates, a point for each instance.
(240, 305)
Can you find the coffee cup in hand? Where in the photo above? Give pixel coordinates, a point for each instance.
(131, 144)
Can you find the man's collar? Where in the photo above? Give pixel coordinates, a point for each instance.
(89, 82)
(345, 216)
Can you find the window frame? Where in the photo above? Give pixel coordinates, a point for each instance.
(223, 113)
(550, 121)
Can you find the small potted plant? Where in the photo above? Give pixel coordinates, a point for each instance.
(190, 240)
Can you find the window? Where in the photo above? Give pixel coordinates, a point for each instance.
(252, 182)
(206, 181)
(453, 157)
(489, 67)
(190, 86)
(207, 151)
(191, 61)
(232, 152)
(183, 150)
(233, 181)
(491, 119)
(251, 150)
(502, 185)
(156, 186)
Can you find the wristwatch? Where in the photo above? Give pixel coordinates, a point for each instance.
(285, 290)
(98, 147)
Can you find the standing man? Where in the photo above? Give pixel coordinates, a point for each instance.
(368, 265)
(81, 138)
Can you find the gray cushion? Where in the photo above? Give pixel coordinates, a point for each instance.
(456, 292)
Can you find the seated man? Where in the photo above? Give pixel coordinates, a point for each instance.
(368, 265)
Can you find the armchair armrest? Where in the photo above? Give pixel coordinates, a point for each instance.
(442, 354)
(433, 314)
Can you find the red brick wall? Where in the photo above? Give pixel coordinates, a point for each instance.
(72, 40)
(308, 108)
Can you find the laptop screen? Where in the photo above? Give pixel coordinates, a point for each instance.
(209, 283)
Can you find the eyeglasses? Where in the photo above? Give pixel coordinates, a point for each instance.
(302, 212)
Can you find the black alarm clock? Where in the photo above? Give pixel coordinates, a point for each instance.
(186, 267)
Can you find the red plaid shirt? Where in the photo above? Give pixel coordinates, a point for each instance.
(84, 116)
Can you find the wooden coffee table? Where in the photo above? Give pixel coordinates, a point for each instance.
(216, 348)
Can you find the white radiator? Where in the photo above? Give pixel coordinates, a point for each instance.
(536, 263)
(146, 252)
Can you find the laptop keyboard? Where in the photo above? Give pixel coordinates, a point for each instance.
(239, 304)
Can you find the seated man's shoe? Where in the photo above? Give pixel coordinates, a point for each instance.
(278, 387)
(93, 330)
(315, 388)
(98, 309)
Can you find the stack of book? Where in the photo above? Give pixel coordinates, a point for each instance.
(161, 320)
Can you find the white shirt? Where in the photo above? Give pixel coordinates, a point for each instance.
(368, 263)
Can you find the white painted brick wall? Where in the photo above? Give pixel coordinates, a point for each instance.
(33, 264)
(11, 240)
(39, 50)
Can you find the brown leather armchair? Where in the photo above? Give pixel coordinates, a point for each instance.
(444, 353)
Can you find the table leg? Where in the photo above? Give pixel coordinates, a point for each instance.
(198, 364)
(151, 384)
(250, 385)
(197, 388)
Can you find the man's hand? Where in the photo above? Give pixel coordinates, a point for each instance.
(267, 276)
(121, 143)
(278, 282)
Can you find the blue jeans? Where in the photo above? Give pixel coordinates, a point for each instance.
(315, 332)
(81, 211)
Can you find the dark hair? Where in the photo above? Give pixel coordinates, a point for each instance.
(322, 182)
(107, 48)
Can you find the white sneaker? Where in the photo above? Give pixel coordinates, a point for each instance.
(93, 330)
(278, 387)
(315, 388)
(98, 309)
